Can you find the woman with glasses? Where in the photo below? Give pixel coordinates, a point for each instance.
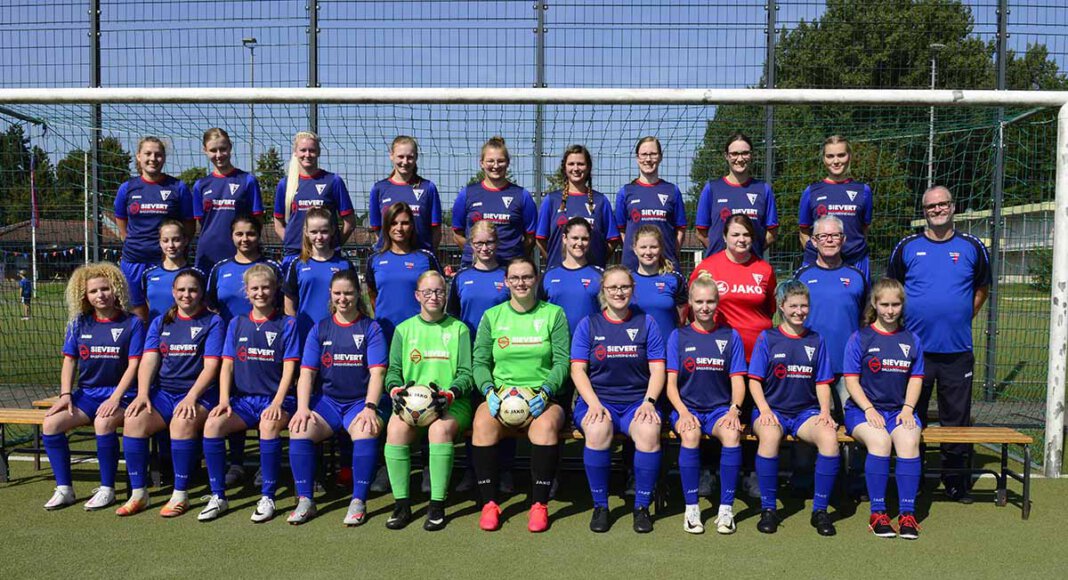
(522, 343)
(650, 201)
(736, 193)
(839, 196)
(617, 365)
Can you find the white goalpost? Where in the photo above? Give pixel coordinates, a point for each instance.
(1057, 364)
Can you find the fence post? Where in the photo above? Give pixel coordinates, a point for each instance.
(97, 126)
(539, 110)
(996, 225)
(1058, 311)
(313, 61)
(769, 75)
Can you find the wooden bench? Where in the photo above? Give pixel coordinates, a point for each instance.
(34, 417)
(45, 403)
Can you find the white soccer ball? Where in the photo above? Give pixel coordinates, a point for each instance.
(419, 410)
(515, 407)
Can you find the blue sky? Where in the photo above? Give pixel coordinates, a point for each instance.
(422, 43)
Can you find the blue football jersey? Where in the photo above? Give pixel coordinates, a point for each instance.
(837, 298)
(705, 363)
(183, 345)
(790, 367)
(573, 290)
(849, 201)
(618, 355)
(343, 354)
(156, 286)
(660, 296)
(144, 205)
(325, 190)
(885, 363)
(659, 204)
(308, 284)
(258, 349)
(226, 287)
(421, 195)
(103, 347)
(393, 278)
(551, 223)
(217, 199)
(475, 291)
(721, 199)
(511, 209)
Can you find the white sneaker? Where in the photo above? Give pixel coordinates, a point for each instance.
(102, 498)
(216, 507)
(63, 497)
(259, 478)
(704, 486)
(357, 513)
(467, 482)
(752, 485)
(381, 481)
(692, 522)
(264, 510)
(234, 475)
(304, 511)
(725, 521)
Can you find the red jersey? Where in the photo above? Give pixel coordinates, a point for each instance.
(746, 294)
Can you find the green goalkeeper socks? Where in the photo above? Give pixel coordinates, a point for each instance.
(441, 455)
(399, 466)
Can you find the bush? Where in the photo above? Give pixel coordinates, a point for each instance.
(1040, 268)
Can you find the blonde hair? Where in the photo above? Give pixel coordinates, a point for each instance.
(429, 274)
(704, 280)
(260, 270)
(216, 133)
(884, 285)
(293, 169)
(305, 243)
(664, 265)
(495, 142)
(602, 297)
(141, 143)
(78, 304)
(407, 140)
(835, 140)
(484, 225)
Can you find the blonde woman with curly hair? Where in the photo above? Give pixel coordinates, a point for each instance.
(100, 356)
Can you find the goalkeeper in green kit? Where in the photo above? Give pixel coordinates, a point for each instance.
(521, 343)
(432, 349)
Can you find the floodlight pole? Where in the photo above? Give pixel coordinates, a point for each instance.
(996, 223)
(250, 44)
(96, 126)
(769, 77)
(935, 47)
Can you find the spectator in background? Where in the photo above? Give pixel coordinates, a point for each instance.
(26, 293)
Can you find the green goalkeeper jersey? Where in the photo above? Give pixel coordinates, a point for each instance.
(431, 352)
(522, 349)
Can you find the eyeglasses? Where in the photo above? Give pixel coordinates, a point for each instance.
(431, 293)
(484, 244)
(649, 155)
(938, 205)
(739, 154)
(828, 237)
(518, 279)
(619, 289)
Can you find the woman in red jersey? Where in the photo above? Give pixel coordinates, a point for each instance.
(746, 283)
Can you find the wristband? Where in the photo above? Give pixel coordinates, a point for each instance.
(371, 405)
(909, 406)
(64, 394)
(650, 400)
(869, 408)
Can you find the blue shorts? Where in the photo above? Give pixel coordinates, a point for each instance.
(622, 415)
(134, 272)
(88, 400)
(250, 407)
(164, 401)
(854, 416)
(790, 423)
(708, 420)
(339, 415)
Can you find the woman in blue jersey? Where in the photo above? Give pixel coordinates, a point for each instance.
(617, 365)
(405, 184)
(575, 284)
(649, 200)
(392, 272)
(259, 365)
(157, 282)
(340, 386)
(219, 198)
(706, 386)
(307, 186)
(736, 193)
(576, 199)
(307, 281)
(839, 196)
(790, 381)
(884, 374)
(177, 382)
(141, 205)
(659, 289)
(100, 356)
(499, 201)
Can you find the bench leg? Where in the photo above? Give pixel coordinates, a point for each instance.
(1026, 512)
(155, 468)
(1002, 493)
(37, 447)
(4, 476)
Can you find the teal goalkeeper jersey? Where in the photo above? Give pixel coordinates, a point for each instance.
(431, 352)
(528, 349)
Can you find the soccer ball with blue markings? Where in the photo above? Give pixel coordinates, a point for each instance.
(419, 409)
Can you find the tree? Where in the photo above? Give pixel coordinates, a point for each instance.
(191, 175)
(269, 171)
(114, 167)
(881, 44)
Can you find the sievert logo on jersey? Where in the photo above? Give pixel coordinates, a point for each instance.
(306, 204)
(341, 359)
(620, 351)
(436, 354)
(178, 349)
(94, 351)
(785, 371)
(836, 209)
(704, 363)
(889, 365)
(496, 218)
(255, 354)
(221, 204)
(506, 341)
(149, 208)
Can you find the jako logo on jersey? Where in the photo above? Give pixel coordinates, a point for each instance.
(233, 188)
(663, 198)
(415, 356)
(955, 256)
(115, 334)
(194, 331)
(319, 187)
(845, 282)
(165, 194)
(503, 342)
(810, 350)
(632, 332)
(852, 194)
(722, 344)
(270, 337)
(358, 339)
(507, 201)
(752, 198)
(905, 348)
